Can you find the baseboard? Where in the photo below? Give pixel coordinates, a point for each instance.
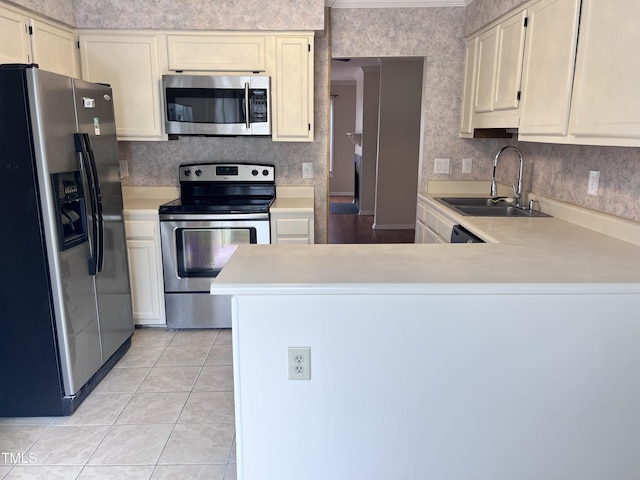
(341, 194)
(400, 226)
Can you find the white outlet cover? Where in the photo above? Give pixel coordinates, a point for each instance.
(299, 363)
(307, 170)
(594, 180)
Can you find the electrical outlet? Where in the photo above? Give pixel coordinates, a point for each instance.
(594, 179)
(441, 166)
(299, 363)
(467, 164)
(307, 170)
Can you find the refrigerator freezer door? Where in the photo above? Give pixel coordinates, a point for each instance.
(94, 104)
(53, 124)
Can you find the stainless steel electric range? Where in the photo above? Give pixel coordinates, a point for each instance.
(221, 206)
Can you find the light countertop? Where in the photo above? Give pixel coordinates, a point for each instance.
(146, 200)
(530, 255)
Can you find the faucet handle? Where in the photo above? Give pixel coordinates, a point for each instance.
(532, 204)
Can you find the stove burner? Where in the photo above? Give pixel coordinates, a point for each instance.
(232, 189)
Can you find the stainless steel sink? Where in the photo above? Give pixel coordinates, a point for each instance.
(486, 207)
(457, 201)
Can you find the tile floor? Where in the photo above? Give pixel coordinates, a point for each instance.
(164, 412)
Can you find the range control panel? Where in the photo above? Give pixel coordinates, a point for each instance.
(227, 172)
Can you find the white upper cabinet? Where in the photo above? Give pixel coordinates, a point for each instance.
(24, 39)
(292, 89)
(606, 99)
(133, 66)
(468, 91)
(498, 73)
(54, 48)
(511, 35)
(15, 44)
(548, 67)
(223, 52)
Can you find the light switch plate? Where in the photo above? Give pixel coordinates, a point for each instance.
(441, 166)
(467, 165)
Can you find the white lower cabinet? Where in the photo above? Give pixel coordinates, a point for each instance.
(432, 226)
(145, 268)
(292, 228)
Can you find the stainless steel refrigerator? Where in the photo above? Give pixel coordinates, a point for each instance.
(65, 301)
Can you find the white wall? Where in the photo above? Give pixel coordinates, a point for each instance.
(480, 387)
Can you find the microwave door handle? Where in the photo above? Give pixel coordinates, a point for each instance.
(246, 103)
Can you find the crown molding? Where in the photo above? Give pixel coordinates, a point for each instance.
(395, 3)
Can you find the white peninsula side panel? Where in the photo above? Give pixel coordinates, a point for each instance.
(456, 387)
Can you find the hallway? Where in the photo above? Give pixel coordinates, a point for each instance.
(347, 228)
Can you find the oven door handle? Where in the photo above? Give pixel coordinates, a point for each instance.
(246, 103)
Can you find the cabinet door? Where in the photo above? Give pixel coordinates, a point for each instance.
(486, 71)
(548, 67)
(511, 35)
(292, 90)
(54, 49)
(231, 53)
(14, 38)
(606, 102)
(143, 274)
(466, 114)
(129, 63)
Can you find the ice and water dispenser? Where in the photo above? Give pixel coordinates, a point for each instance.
(70, 208)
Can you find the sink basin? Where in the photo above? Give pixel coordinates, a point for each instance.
(456, 201)
(497, 211)
(485, 207)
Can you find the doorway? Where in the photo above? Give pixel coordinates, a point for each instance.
(375, 144)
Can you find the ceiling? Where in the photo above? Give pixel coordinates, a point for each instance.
(346, 70)
(395, 3)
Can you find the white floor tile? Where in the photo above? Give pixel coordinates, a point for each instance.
(34, 472)
(97, 409)
(183, 356)
(194, 337)
(215, 378)
(17, 439)
(189, 472)
(203, 407)
(198, 443)
(67, 445)
(123, 380)
(132, 445)
(220, 354)
(157, 337)
(170, 379)
(113, 472)
(153, 408)
(144, 356)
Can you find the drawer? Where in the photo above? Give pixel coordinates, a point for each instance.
(140, 228)
(298, 227)
(421, 212)
(431, 219)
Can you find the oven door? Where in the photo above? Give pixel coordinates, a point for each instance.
(196, 247)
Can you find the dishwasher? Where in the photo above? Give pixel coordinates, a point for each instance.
(459, 234)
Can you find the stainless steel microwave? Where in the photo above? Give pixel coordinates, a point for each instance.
(217, 104)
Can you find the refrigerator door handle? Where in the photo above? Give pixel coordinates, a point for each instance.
(83, 146)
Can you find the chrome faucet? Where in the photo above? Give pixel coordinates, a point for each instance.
(517, 190)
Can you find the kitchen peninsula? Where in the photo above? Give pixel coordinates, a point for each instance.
(510, 359)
